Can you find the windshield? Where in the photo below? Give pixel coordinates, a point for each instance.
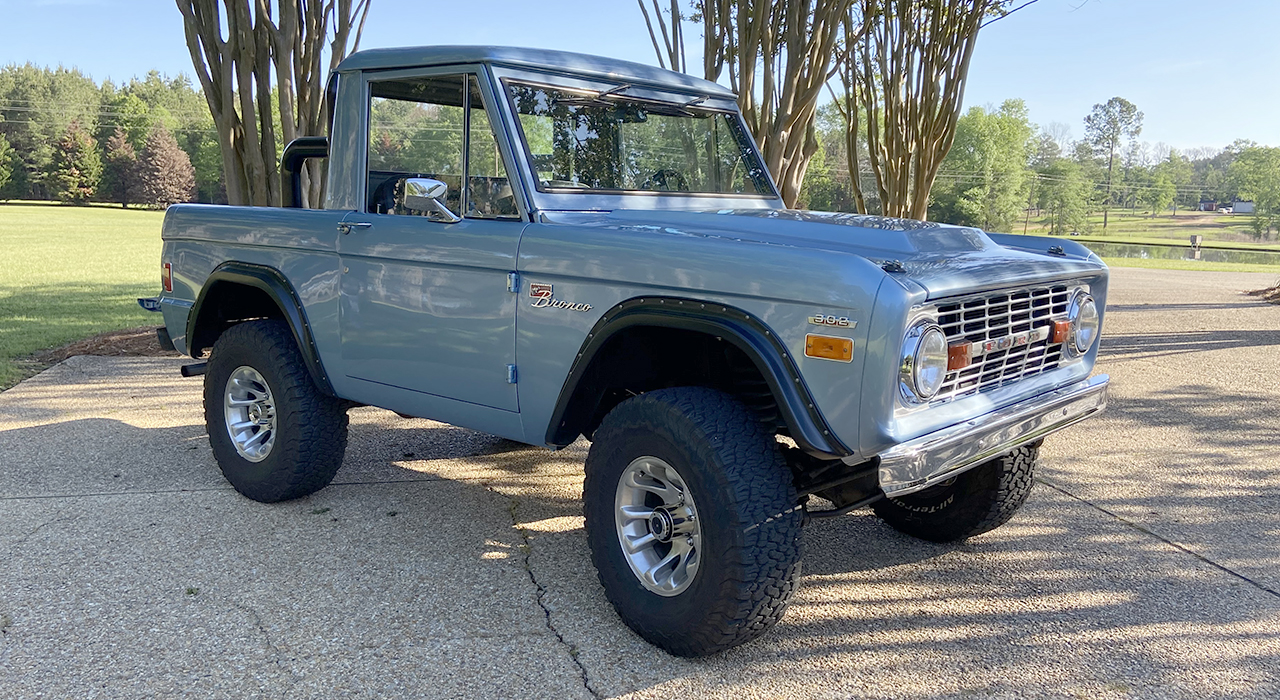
(582, 141)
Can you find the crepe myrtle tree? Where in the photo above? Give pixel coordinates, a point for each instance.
(268, 55)
(903, 74)
(778, 55)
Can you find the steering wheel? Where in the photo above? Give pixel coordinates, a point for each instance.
(666, 180)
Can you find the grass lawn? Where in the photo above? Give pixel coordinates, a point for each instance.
(69, 272)
(1219, 230)
(1166, 264)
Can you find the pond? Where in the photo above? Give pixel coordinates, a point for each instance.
(1173, 252)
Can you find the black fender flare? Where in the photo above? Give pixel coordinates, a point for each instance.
(751, 335)
(276, 286)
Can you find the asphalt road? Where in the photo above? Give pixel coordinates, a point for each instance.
(447, 563)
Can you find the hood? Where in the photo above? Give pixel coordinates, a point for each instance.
(942, 258)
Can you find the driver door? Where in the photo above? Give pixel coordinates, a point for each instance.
(424, 303)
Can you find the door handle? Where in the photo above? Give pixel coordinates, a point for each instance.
(346, 226)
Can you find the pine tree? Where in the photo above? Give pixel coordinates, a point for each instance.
(77, 167)
(165, 172)
(120, 169)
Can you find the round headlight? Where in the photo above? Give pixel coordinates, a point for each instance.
(924, 362)
(1084, 322)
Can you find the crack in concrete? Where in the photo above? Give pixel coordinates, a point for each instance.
(277, 653)
(1181, 548)
(526, 548)
(23, 540)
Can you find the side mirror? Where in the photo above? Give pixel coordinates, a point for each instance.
(425, 195)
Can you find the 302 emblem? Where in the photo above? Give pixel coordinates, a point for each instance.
(544, 298)
(832, 321)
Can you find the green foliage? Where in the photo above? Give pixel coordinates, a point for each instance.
(1158, 193)
(120, 169)
(6, 165)
(38, 104)
(1256, 174)
(77, 167)
(827, 184)
(130, 115)
(201, 145)
(1065, 194)
(1180, 174)
(820, 188)
(1106, 128)
(983, 181)
(1111, 123)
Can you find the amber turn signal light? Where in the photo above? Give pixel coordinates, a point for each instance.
(1061, 331)
(828, 348)
(958, 356)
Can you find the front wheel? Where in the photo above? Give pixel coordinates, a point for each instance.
(977, 501)
(692, 520)
(273, 433)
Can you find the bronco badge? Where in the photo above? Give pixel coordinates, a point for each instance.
(544, 299)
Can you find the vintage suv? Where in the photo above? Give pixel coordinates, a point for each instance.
(545, 245)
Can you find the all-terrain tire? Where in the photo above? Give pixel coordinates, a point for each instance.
(310, 427)
(746, 504)
(977, 501)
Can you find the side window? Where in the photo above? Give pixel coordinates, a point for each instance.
(435, 128)
(415, 131)
(489, 193)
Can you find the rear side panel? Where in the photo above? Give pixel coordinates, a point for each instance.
(297, 242)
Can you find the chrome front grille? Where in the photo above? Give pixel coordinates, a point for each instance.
(980, 319)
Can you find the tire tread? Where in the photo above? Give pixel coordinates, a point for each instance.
(986, 497)
(754, 595)
(312, 427)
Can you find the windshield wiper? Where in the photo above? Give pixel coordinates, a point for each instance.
(596, 99)
(612, 91)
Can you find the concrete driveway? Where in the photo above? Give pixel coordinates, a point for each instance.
(447, 563)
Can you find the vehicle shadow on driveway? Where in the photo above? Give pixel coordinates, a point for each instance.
(421, 513)
(1060, 592)
(1165, 344)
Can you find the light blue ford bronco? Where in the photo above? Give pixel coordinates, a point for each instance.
(544, 245)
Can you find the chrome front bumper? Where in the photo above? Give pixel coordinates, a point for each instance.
(920, 463)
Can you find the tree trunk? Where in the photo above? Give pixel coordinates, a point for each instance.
(271, 56)
(779, 55)
(908, 69)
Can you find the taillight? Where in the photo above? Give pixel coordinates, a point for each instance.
(166, 276)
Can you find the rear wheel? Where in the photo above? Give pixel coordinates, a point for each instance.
(273, 433)
(692, 520)
(977, 501)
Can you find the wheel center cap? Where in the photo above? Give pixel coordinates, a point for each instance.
(259, 414)
(660, 525)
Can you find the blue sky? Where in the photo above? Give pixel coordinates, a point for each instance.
(1203, 78)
